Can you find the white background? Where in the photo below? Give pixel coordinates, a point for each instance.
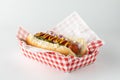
(103, 16)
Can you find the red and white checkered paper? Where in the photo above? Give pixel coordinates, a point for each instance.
(57, 60)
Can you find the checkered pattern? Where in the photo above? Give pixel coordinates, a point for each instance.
(72, 26)
(58, 61)
(22, 34)
(94, 45)
(64, 63)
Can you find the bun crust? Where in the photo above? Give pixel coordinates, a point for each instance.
(84, 49)
(31, 40)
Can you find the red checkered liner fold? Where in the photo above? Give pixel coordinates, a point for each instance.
(57, 60)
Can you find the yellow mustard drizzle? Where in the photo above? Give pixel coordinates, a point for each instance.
(53, 39)
(45, 35)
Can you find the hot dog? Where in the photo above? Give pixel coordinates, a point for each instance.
(59, 44)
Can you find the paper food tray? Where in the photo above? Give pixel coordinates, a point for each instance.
(73, 25)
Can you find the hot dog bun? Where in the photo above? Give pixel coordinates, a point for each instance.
(84, 49)
(31, 40)
(65, 46)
